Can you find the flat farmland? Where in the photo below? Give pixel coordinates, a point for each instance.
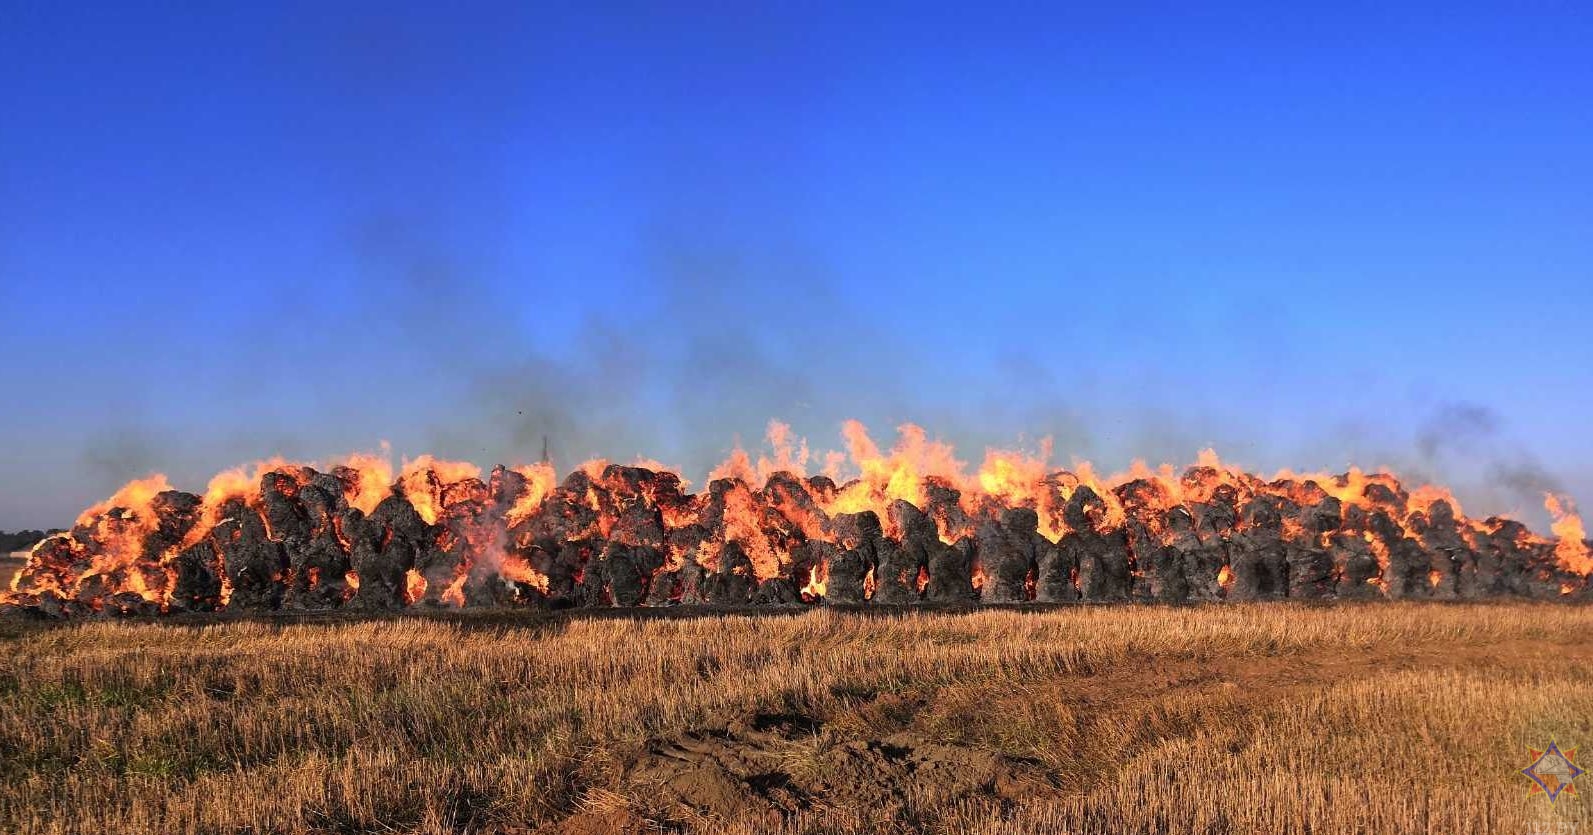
(1264, 718)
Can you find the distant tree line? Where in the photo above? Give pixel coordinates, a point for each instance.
(22, 540)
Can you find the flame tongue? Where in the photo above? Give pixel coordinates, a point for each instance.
(915, 522)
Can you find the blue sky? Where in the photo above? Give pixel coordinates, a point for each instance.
(1307, 237)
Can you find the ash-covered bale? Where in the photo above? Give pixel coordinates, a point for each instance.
(1102, 558)
(197, 587)
(255, 564)
(384, 546)
(859, 535)
(900, 563)
(1310, 564)
(734, 582)
(943, 502)
(777, 591)
(318, 565)
(506, 487)
(1003, 550)
(1452, 564)
(629, 569)
(176, 513)
(949, 576)
(1179, 557)
(638, 523)
(1405, 575)
(789, 496)
(1205, 559)
(1256, 552)
(1355, 567)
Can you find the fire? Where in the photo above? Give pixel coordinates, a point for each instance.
(414, 586)
(540, 480)
(1571, 550)
(424, 478)
(632, 533)
(137, 496)
(814, 590)
(517, 570)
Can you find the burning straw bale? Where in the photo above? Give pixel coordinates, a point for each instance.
(439, 535)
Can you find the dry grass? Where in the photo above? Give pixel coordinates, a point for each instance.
(1266, 718)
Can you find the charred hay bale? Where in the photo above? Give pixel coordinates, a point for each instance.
(563, 516)
(285, 518)
(1405, 575)
(318, 565)
(1216, 522)
(734, 582)
(128, 604)
(1002, 550)
(777, 591)
(197, 587)
(1202, 549)
(54, 563)
(1144, 552)
(255, 564)
(859, 536)
(452, 548)
(1102, 558)
(506, 487)
(686, 584)
(1500, 560)
(1508, 540)
(712, 513)
(575, 575)
(385, 545)
(848, 572)
(1259, 561)
(950, 574)
(1388, 499)
(1542, 576)
(1356, 568)
(21, 606)
(1357, 575)
(944, 502)
(1452, 563)
(1176, 557)
(896, 575)
(1056, 575)
(822, 488)
(1310, 565)
(176, 513)
(789, 496)
(639, 524)
(628, 570)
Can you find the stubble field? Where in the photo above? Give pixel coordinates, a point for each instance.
(1267, 718)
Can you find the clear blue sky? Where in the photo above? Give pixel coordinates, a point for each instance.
(1305, 237)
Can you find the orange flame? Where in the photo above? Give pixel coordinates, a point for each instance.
(1571, 550)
